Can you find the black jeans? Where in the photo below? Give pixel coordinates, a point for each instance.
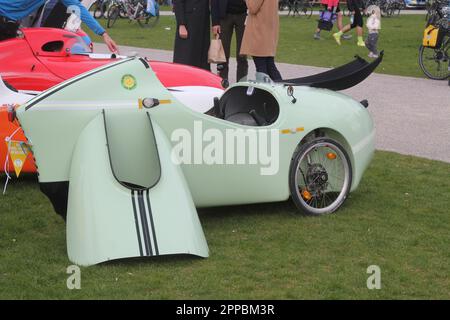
(233, 22)
(267, 65)
(8, 28)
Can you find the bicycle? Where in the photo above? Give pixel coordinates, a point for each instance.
(300, 7)
(99, 8)
(134, 10)
(434, 61)
(388, 8)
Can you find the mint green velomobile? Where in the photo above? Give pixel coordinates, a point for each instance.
(127, 162)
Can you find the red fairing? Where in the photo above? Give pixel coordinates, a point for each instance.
(46, 57)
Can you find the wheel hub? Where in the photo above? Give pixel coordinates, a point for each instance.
(316, 178)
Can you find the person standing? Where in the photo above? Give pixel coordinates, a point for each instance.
(11, 12)
(192, 37)
(261, 36)
(355, 6)
(228, 16)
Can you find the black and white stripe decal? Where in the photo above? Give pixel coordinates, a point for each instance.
(145, 227)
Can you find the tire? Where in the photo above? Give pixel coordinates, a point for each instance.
(148, 21)
(316, 177)
(113, 14)
(100, 9)
(307, 9)
(345, 12)
(434, 62)
(97, 8)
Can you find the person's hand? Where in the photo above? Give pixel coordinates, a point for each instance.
(112, 46)
(182, 31)
(216, 30)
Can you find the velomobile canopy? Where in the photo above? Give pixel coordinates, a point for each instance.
(340, 78)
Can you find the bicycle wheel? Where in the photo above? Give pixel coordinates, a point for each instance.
(113, 14)
(434, 62)
(346, 12)
(146, 20)
(320, 176)
(99, 8)
(307, 9)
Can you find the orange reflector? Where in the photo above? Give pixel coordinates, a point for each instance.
(331, 155)
(306, 195)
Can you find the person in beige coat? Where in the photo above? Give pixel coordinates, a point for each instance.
(261, 36)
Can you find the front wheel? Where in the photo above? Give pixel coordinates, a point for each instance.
(320, 176)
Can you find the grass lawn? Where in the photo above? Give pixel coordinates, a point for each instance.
(398, 219)
(400, 38)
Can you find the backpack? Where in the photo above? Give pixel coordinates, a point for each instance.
(326, 20)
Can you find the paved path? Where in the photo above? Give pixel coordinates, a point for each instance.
(412, 115)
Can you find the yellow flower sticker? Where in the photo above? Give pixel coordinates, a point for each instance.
(129, 82)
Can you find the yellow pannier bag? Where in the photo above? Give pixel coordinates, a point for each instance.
(431, 37)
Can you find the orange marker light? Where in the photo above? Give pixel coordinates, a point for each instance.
(306, 195)
(331, 155)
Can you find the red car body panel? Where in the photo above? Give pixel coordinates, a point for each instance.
(27, 66)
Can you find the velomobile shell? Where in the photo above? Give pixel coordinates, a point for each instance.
(340, 78)
(108, 219)
(61, 126)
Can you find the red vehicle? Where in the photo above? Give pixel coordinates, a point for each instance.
(44, 57)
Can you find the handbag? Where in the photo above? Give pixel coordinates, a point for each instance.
(326, 20)
(216, 54)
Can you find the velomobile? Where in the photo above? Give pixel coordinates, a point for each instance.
(128, 163)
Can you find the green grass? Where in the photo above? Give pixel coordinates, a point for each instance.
(400, 38)
(397, 219)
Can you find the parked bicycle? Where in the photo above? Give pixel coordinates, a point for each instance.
(297, 7)
(434, 53)
(99, 8)
(134, 10)
(388, 8)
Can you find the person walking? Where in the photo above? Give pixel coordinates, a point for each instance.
(261, 36)
(332, 6)
(229, 16)
(11, 12)
(354, 6)
(192, 37)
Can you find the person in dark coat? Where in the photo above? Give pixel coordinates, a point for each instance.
(193, 33)
(228, 16)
